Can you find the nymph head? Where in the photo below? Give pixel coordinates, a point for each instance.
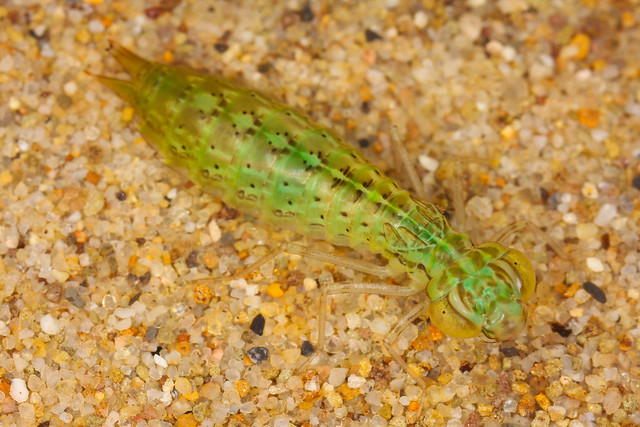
(483, 292)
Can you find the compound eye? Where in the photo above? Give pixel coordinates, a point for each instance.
(525, 271)
(448, 320)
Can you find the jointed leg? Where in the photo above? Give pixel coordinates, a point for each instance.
(458, 192)
(458, 198)
(523, 224)
(343, 288)
(388, 341)
(358, 265)
(369, 288)
(400, 361)
(355, 288)
(296, 249)
(502, 234)
(408, 318)
(403, 156)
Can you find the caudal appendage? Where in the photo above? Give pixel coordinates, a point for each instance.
(136, 66)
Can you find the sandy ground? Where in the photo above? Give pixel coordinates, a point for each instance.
(101, 322)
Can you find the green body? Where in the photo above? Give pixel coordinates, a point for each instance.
(268, 160)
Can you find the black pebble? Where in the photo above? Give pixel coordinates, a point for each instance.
(135, 298)
(306, 349)
(306, 15)
(364, 142)
(597, 293)
(257, 325)
(144, 279)
(258, 354)
(263, 67)
(509, 351)
(636, 182)
(372, 35)
(121, 195)
(561, 330)
(192, 259)
(220, 47)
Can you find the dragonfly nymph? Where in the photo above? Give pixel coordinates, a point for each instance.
(270, 161)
